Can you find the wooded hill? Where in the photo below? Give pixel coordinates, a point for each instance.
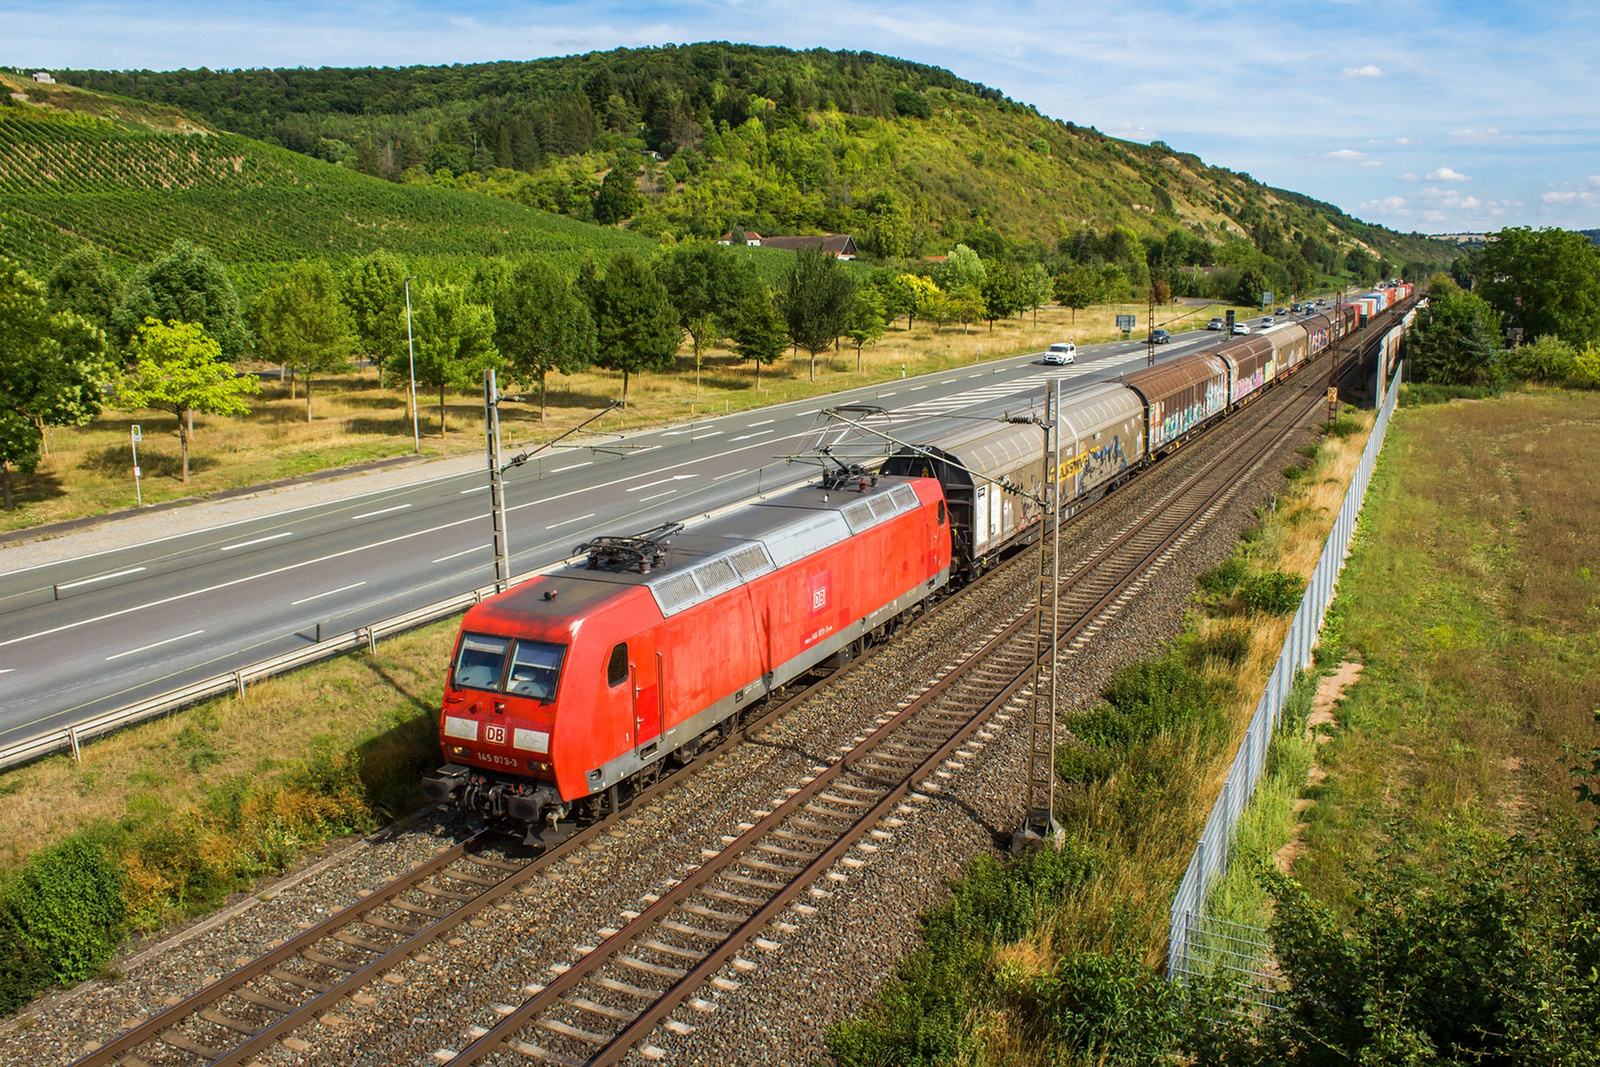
(909, 158)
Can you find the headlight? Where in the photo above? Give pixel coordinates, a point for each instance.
(458, 750)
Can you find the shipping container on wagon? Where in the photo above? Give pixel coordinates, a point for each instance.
(1180, 397)
(575, 681)
(985, 518)
(1251, 366)
(1102, 440)
(1290, 349)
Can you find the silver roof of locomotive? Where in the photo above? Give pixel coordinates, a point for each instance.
(705, 560)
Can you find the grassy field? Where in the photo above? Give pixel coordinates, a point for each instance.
(89, 469)
(1474, 603)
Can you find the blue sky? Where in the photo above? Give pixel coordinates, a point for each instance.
(1419, 114)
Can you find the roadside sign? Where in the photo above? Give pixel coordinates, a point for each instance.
(1126, 322)
(137, 473)
(1266, 298)
(138, 434)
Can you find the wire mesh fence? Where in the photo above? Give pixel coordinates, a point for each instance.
(1199, 944)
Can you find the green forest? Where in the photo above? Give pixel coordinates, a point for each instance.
(703, 139)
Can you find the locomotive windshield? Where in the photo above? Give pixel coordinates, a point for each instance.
(535, 666)
(482, 661)
(535, 670)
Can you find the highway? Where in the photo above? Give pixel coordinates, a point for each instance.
(88, 634)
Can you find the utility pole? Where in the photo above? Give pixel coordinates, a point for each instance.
(1039, 824)
(411, 355)
(497, 487)
(1150, 337)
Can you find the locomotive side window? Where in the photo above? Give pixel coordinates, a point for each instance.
(617, 669)
(535, 670)
(481, 662)
(941, 513)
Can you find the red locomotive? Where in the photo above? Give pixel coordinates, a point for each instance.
(575, 686)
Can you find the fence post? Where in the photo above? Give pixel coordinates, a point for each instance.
(77, 752)
(238, 680)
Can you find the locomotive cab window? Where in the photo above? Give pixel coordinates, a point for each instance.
(941, 513)
(617, 669)
(535, 670)
(481, 661)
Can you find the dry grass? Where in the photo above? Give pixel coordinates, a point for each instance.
(88, 470)
(383, 708)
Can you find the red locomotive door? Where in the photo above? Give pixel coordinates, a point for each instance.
(649, 697)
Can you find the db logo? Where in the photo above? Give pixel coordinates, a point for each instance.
(494, 735)
(819, 599)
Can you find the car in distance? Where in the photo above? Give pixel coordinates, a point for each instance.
(1060, 354)
(1282, 311)
(1268, 320)
(1160, 337)
(1214, 324)
(1240, 328)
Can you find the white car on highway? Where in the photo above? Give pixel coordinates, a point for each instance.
(1061, 354)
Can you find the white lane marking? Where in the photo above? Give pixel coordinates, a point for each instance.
(673, 433)
(463, 552)
(101, 578)
(158, 644)
(916, 388)
(652, 448)
(375, 514)
(656, 496)
(319, 596)
(730, 474)
(464, 492)
(889, 393)
(663, 481)
(574, 466)
(975, 376)
(567, 522)
(259, 540)
(747, 436)
(7, 670)
(702, 437)
(763, 422)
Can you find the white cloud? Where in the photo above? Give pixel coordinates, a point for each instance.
(1389, 205)
(1433, 216)
(1347, 155)
(1567, 196)
(1473, 134)
(1451, 198)
(1594, 179)
(1445, 174)
(1409, 178)
(1368, 71)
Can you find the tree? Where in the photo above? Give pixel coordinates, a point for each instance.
(966, 304)
(52, 366)
(757, 329)
(704, 282)
(1113, 284)
(454, 340)
(374, 291)
(961, 267)
(302, 323)
(636, 328)
(188, 284)
(1546, 281)
(1077, 289)
(1546, 359)
(1455, 340)
(816, 301)
(867, 321)
(618, 198)
(541, 325)
(83, 284)
(1002, 291)
(179, 366)
(898, 294)
(1252, 283)
(1036, 289)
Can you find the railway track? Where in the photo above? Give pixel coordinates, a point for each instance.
(612, 998)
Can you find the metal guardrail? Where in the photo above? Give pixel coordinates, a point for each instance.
(1188, 918)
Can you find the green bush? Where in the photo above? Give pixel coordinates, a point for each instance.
(1225, 577)
(61, 918)
(1421, 394)
(1146, 699)
(1343, 426)
(1273, 592)
(1227, 644)
(1110, 1010)
(1547, 359)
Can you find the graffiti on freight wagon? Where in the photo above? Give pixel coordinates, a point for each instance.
(1095, 464)
(1165, 426)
